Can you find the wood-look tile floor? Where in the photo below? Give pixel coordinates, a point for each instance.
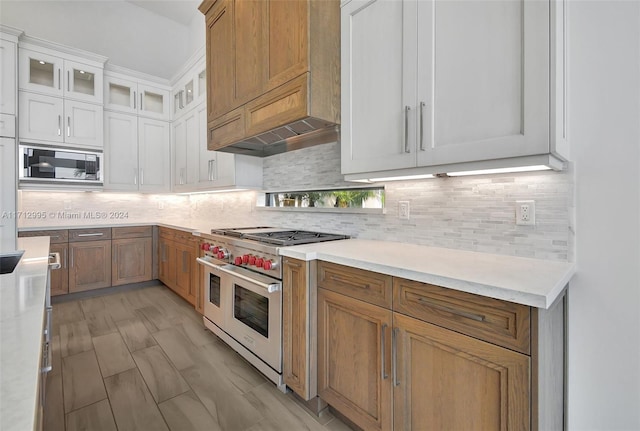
(141, 360)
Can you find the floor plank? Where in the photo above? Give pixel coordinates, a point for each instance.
(241, 374)
(221, 398)
(133, 406)
(94, 417)
(279, 411)
(75, 338)
(65, 312)
(118, 307)
(154, 319)
(100, 322)
(135, 335)
(82, 383)
(175, 344)
(113, 355)
(186, 413)
(91, 305)
(162, 379)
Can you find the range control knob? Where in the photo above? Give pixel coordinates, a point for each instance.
(269, 265)
(245, 259)
(238, 260)
(222, 253)
(215, 249)
(259, 262)
(252, 260)
(205, 246)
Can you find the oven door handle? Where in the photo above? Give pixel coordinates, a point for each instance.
(234, 271)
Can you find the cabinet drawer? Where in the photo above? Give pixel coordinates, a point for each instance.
(226, 130)
(498, 322)
(77, 235)
(368, 286)
(131, 232)
(282, 105)
(57, 236)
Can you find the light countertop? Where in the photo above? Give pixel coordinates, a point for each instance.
(526, 281)
(22, 303)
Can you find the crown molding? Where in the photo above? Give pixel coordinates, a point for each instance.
(38, 44)
(126, 73)
(196, 58)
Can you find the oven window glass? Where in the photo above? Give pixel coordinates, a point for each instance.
(251, 309)
(214, 290)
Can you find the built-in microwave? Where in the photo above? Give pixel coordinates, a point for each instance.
(58, 165)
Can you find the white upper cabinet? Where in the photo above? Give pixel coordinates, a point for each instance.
(137, 153)
(432, 86)
(8, 55)
(46, 73)
(55, 120)
(8, 82)
(190, 91)
(125, 94)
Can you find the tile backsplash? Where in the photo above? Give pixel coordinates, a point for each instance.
(472, 213)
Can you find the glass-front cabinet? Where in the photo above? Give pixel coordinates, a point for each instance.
(134, 97)
(189, 91)
(51, 75)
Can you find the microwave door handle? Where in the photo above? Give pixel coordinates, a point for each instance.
(59, 125)
(69, 126)
(230, 269)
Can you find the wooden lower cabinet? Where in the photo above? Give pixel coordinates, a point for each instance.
(444, 380)
(60, 276)
(353, 359)
(178, 268)
(131, 260)
(90, 265)
(296, 319)
(435, 358)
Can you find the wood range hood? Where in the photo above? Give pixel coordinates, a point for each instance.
(273, 75)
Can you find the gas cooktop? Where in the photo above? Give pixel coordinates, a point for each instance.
(278, 236)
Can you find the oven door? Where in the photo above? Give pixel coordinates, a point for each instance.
(252, 311)
(216, 298)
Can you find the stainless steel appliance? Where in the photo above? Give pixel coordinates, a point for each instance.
(243, 290)
(45, 165)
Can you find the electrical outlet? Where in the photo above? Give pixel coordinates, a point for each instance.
(403, 210)
(526, 213)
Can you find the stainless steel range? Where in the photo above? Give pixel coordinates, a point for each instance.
(243, 290)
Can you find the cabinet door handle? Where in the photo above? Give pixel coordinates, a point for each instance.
(134, 100)
(72, 258)
(422, 105)
(406, 129)
(65, 259)
(59, 125)
(59, 79)
(209, 171)
(141, 176)
(382, 351)
(68, 81)
(394, 357)
(69, 126)
(141, 107)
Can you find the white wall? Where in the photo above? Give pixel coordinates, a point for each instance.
(129, 35)
(604, 297)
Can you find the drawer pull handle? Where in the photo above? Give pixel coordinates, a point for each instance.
(91, 234)
(342, 280)
(382, 351)
(472, 316)
(394, 357)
